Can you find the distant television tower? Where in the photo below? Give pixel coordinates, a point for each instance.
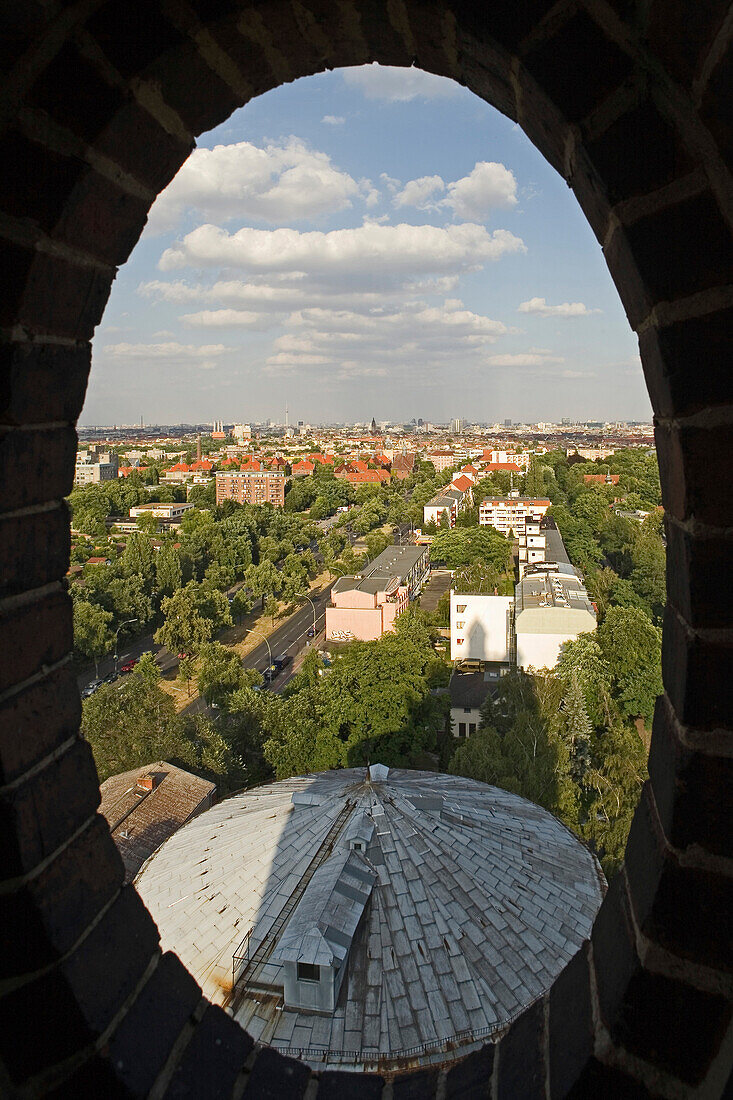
(286, 416)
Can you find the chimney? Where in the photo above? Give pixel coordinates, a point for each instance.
(150, 781)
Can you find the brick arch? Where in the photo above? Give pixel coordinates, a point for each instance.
(100, 107)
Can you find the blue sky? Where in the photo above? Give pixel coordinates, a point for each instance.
(368, 242)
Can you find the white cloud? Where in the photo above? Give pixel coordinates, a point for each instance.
(378, 250)
(565, 309)
(171, 351)
(488, 186)
(523, 359)
(333, 120)
(398, 85)
(399, 341)
(276, 183)
(420, 192)
(221, 318)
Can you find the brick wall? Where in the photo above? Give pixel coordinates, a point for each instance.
(101, 102)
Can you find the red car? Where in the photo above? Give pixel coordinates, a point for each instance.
(129, 665)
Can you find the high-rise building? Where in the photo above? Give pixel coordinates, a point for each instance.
(457, 425)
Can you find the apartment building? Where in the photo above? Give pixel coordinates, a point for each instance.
(251, 487)
(94, 466)
(532, 544)
(510, 514)
(481, 627)
(366, 605)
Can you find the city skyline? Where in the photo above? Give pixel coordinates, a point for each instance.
(413, 241)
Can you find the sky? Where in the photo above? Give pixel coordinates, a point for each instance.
(367, 242)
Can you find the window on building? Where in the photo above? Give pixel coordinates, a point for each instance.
(461, 729)
(471, 728)
(460, 625)
(466, 710)
(307, 972)
(460, 608)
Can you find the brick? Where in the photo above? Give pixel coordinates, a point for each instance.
(34, 636)
(521, 1057)
(683, 54)
(212, 1060)
(683, 909)
(688, 367)
(102, 220)
(696, 676)
(686, 456)
(42, 382)
(69, 81)
(95, 1077)
(683, 249)
(62, 298)
(198, 96)
(644, 856)
(693, 566)
(139, 144)
(418, 1085)
(111, 961)
(470, 1079)
(37, 817)
(335, 1085)
(505, 21)
(606, 1081)
(716, 109)
(41, 181)
(665, 1022)
(571, 1025)
(132, 34)
(15, 266)
(674, 1026)
(273, 1077)
(36, 465)
(49, 914)
(660, 156)
(35, 549)
(634, 294)
(141, 1044)
(691, 790)
(36, 721)
(578, 67)
(49, 1019)
(614, 954)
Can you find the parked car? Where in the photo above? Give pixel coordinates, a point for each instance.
(182, 656)
(311, 632)
(269, 674)
(111, 678)
(91, 688)
(129, 665)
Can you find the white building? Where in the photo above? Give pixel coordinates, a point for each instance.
(551, 607)
(481, 627)
(509, 514)
(168, 513)
(532, 548)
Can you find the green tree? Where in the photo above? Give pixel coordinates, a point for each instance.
(193, 614)
(241, 605)
(138, 559)
(168, 573)
(632, 648)
(220, 672)
(186, 672)
(263, 580)
(92, 635)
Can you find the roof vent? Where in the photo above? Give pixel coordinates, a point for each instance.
(378, 772)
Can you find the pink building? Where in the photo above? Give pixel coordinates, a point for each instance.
(365, 606)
